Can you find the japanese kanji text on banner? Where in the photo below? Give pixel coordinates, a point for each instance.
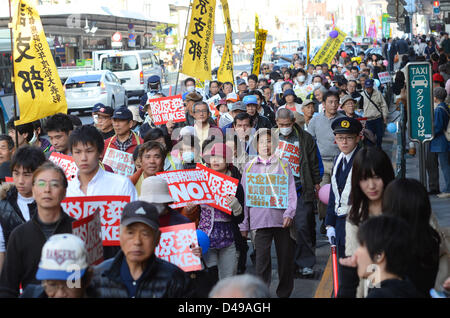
(259, 50)
(197, 53)
(225, 72)
(329, 49)
(37, 84)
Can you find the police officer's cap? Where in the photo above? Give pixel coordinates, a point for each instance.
(346, 125)
(154, 79)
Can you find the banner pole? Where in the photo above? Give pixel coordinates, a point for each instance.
(12, 71)
(182, 47)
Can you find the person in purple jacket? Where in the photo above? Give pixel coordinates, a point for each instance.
(269, 223)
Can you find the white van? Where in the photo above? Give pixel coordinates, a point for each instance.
(134, 67)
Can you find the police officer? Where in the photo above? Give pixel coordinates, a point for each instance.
(153, 87)
(347, 136)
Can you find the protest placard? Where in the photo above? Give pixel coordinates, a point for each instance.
(174, 246)
(264, 190)
(89, 230)
(110, 208)
(291, 153)
(66, 163)
(120, 161)
(212, 104)
(167, 108)
(187, 186)
(9, 179)
(220, 186)
(384, 77)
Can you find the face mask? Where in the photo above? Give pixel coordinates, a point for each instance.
(334, 70)
(160, 207)
(190, 88)
(301, 78)
(317, 85)
(319, 72)
(285, 131)
(188, 156)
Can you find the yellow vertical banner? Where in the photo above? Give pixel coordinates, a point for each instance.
(256, 25)
(37, 84)
(307, 46)
(225, 72)
(260, 42)
(197, 53)
(329, 49)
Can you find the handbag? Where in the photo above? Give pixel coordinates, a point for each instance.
(205, 279)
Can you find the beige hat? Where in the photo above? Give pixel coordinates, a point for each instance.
(155, 190)
(347, 98)
(307, 102)
(135, 111)
(193, 96)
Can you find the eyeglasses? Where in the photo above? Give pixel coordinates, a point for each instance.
(203, 111)
(347, 138)
(54, 184)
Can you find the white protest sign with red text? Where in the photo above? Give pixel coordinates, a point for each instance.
(187, 186)
(66, 163)
(167, 108)
(174, 246)
(291, 153)
(89, 230)
(212, 104)
(110, 208)
(220, 186)
(384, 77)
(120, 161)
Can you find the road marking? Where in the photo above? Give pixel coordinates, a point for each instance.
(325, 288)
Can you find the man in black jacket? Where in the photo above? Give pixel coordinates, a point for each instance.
(136, 272)
(26, 241)
(17, 204)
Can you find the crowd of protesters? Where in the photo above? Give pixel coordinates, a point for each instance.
(333, 116)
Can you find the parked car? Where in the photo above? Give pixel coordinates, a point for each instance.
(85, 89)
(134, 67)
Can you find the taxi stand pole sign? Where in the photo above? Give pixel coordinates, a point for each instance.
(419, 91)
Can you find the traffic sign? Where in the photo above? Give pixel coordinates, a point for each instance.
(420, 102)
(436, 10)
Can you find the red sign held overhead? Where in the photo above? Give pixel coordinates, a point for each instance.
(167, 108)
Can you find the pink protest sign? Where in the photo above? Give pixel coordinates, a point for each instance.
(89, 230)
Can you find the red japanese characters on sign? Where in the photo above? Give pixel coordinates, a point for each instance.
(66, 163)
(174, 246)
(290, 153)
(110, 209)
(120, 161)
(220, 186)
(187, 186)
(89, 230)
(167, 108)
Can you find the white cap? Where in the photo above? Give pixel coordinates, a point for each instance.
(135, 111)
(62, 255)
(155, 190)
(187, 130)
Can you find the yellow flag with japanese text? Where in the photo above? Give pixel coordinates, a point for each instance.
(260, 43)
(197, 52)
(225, 72)
(256, 25)
(329, 49)
(307, 46)
(38, 86)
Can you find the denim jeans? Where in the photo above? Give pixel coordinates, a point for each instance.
(377, 127)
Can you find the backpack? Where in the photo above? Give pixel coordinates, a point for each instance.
(447, 131)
